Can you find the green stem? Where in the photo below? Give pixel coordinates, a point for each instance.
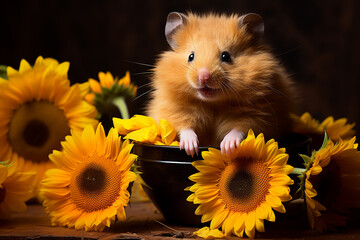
(120, 103)
(298, 171)
(3, 73)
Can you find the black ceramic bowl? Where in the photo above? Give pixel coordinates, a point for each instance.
(165, 170)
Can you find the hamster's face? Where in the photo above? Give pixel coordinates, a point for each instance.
(218, 58)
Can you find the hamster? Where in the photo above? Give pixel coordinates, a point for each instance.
(219, 80)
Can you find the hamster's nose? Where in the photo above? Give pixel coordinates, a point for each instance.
(204, 75)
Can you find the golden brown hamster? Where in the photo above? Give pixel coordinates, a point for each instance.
(219, 80)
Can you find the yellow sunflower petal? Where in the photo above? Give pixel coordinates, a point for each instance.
(101, 146)
(213, 212)
(250, 225)
(167, 132)
(200, 177)
(239, 226)
(273, 201)
(24, 66)
(229, 223)
(259, 225)
(207, 193)
(271, 216)
(214, 158)
(90, 98)
(287, 169)
(11, 71)
(282, 180)
(218, 219)
(94, 86)
(63, 68)
(208, 233)
(84, 88)
(280, 191)
(280, 160)
(280, 208)
(125, 80)
(121, 215)
(88, 135)
(125, 126)
(263, 211)
(205, 169)
(106, 79)
(206, 207)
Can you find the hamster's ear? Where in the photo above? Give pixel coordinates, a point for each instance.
(174, 22)
(253, 23)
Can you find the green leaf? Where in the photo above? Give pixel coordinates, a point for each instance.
(325, 141)
(3, 73)
(306, 159)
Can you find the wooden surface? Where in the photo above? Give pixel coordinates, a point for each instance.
(143, 223)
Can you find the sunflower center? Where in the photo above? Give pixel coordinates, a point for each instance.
(92, 179)
(95, 184)
(241, 185)
(36, 129)
(244, 185)
(36, 133)
(2, 194)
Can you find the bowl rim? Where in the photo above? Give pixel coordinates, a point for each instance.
(165, 154)
(168, 147)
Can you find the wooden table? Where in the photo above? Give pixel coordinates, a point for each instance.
(143, 222)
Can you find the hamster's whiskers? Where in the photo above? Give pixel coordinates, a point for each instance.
(142, 73)
(239, 99)
(143, 94)
(145, 85)
(188, 92)
(252, 89)
(139, 63)
(278, 91)
(288, 51)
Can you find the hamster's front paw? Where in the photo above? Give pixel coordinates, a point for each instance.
(231, 141)
(189, 142)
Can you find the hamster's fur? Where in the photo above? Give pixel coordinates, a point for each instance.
(231, 83)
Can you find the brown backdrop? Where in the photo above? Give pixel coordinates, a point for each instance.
(317, 41)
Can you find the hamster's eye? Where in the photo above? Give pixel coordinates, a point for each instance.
(191, 57)
(225, 57)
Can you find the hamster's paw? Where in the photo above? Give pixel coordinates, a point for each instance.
(189, 141)
(231, 141)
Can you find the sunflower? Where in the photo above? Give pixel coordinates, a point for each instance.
(338, 129)
(331, 183)
(145, 129)
(110, 92)
(15, 189)
(306, 123)
(38, 108)
(88, 189)
(335, 129)
(239, 193)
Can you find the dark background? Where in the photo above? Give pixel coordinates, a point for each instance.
(317, 41)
